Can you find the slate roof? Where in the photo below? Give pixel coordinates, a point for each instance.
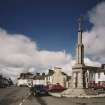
(50, 73)
(27, 75)
(38, 77)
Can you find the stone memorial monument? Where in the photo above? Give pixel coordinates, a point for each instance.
(79, 81)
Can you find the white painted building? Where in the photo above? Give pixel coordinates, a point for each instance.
(39, 79)
(100, 77)
(28, 79)
(25, 79)
(95, 74)
(38, 82)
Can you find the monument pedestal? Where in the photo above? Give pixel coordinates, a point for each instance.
(78, 76)
(79, 84)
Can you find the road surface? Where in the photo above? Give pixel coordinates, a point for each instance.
(21, 96)
(49, 100)
(13, 95)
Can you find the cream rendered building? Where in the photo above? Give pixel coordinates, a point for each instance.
(57, 76)
(48, 77)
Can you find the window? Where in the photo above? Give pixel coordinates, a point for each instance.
(98, 75)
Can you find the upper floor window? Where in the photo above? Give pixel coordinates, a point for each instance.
(98, 75)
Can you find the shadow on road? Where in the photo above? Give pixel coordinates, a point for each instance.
(40, 100)
(81, 104)
(8, 101)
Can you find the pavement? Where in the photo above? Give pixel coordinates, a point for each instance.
(80, 93)
(21, 96)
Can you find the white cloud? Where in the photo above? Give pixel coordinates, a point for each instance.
(91, 62)
(94, 40)
(19, 53)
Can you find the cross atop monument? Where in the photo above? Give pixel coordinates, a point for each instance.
(80, 22)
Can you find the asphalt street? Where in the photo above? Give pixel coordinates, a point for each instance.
(13, 95)
(49, 100)
(21, 96)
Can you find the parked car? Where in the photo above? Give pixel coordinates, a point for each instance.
(38, 90)
(56, 88)
(96, 86)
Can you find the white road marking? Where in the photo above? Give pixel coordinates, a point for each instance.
(20, 103)
(25, 99)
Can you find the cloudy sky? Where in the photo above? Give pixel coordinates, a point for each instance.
(37, 35)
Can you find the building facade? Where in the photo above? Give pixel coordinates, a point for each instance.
(56, 76)
(39, 79)
(4, 82)
(53, 77)
(25, 79)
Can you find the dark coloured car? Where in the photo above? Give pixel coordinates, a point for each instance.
(38, 90)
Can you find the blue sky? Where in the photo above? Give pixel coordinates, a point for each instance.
(51, 23)
(51, 26)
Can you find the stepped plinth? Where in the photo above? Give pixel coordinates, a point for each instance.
(71, 92)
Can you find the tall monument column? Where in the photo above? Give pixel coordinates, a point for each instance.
(78, 75)
(80, 46)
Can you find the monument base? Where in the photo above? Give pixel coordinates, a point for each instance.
(76, 92)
